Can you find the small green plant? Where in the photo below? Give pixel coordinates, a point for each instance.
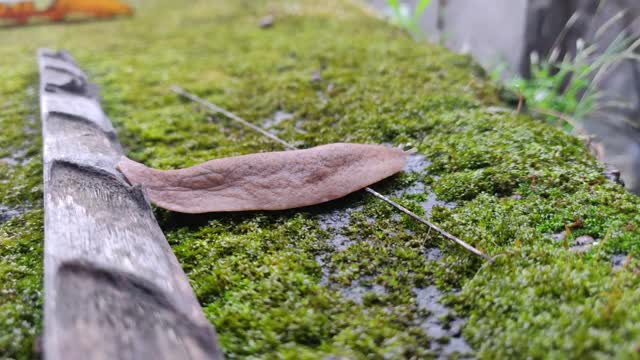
(558, 88)
(566, 90)
(401, 15)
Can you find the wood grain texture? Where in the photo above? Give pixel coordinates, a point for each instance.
(267, 181)
(113, 287)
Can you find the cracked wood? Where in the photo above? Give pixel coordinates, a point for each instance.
(113, 287)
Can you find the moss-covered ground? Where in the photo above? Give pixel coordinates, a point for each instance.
(258, 275)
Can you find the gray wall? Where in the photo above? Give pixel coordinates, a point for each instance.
(508, 31)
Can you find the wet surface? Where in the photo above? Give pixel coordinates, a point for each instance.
(356, 291)
(334, 222)
(440, 324)
(448, 334)
(618, 260)
(433, 254)
(16, 158)
(275, 120)
(324, 280)
(31, 128)
(7, 213)
(558, 236)
(583, 243)
(580, 244)
(417, 163)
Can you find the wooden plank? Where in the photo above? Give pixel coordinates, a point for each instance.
(113, 287)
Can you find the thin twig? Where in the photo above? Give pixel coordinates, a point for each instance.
(228, 114)
(426, 222)
(216, 109)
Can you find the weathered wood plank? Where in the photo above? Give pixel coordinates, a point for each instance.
(113, 287)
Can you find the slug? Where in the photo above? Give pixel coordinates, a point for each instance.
(267, 181)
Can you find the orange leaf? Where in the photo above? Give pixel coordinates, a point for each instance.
(22, 11)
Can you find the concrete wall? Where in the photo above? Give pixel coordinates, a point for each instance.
(508, 31)
(490, 30)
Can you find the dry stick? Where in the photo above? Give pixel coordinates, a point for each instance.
(216, 109)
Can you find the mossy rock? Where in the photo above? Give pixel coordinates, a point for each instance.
(277, 284)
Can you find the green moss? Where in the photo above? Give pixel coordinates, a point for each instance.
(20, 284)
(20, 215)
(234, 261)
(583, 308)
(270, 282)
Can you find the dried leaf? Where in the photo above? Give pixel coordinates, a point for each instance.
(22, 11)
(267, 181)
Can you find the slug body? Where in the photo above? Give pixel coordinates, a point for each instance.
(267, 181)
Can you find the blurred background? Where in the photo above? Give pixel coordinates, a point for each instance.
(577, 59)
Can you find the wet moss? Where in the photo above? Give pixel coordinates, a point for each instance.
(21, 241)
(21, 216)
(272, 283)
(234, 261)
(574, 306)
